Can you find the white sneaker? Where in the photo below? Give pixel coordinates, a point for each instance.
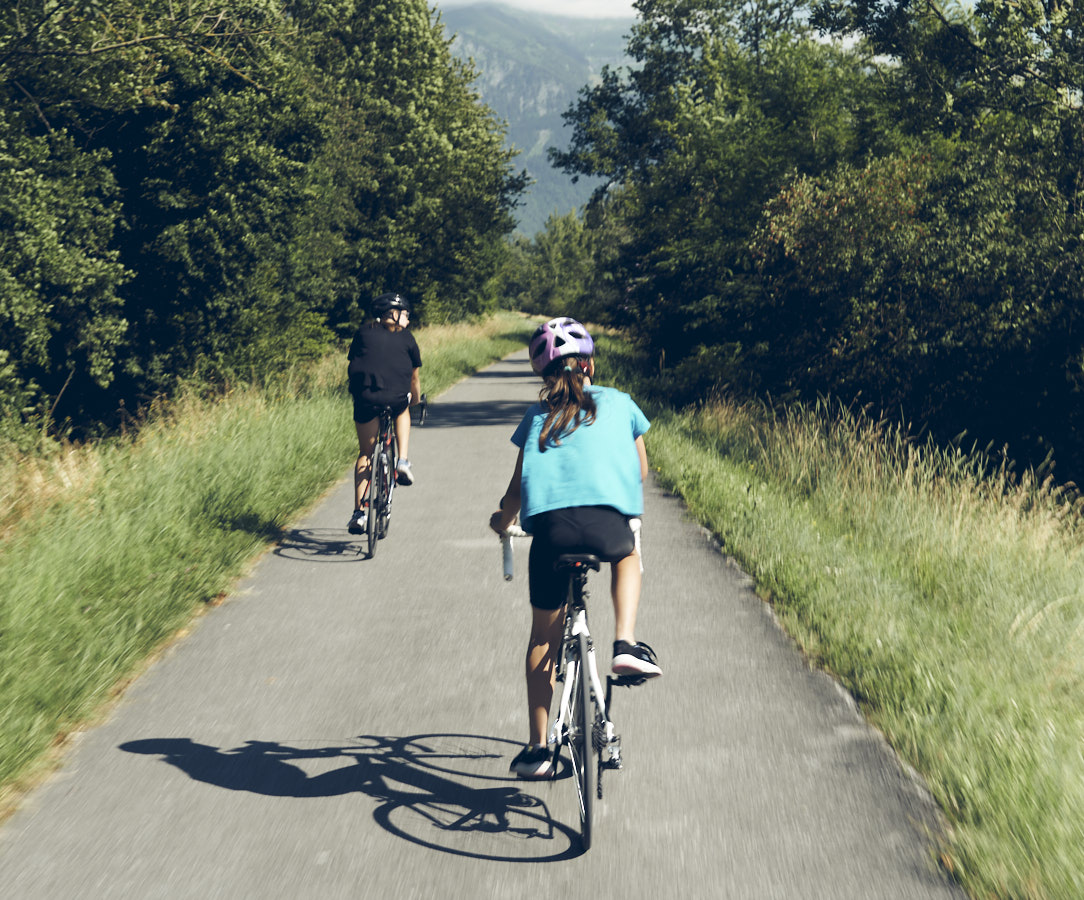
(403, 474)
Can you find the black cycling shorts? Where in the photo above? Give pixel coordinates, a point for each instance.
(364, 411)
(600, 530)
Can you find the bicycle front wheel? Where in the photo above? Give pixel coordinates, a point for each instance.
(580, 743)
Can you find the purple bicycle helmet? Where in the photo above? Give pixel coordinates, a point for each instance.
(556, 339)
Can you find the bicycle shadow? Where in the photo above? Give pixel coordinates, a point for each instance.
(320, 545)
(422, 794)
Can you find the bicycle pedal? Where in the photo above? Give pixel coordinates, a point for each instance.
(614, 762)
(628, 680)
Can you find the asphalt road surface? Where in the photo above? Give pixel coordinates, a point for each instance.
(342, 727)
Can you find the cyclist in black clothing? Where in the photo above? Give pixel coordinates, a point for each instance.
(383, 371)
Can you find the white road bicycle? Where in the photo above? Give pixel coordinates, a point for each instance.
(583, 725)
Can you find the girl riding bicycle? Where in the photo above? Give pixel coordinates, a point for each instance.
(577, 483)
(383, 371)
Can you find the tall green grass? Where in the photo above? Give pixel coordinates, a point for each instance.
(945, 594)
(108, 549)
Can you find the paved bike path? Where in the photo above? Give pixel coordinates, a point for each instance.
(341, 727)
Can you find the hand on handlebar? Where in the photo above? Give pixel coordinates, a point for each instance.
(512, 529)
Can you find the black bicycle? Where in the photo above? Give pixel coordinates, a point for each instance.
(382, 475)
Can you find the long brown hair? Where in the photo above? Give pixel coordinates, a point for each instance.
(567, 403)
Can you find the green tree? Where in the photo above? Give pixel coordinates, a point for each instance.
(60, 310)
(1000, 73)
(920, 282)
(79, 79)
(729, 102)
(218, 201)
(206, 189)
(557, 272)
(436, 197)
(1003, 83)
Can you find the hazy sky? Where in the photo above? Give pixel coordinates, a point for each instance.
(595, 9)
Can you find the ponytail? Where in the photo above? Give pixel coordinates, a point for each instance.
(567, 403)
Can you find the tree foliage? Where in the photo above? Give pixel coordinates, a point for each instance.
(211, 189)
(894, 217)
(935, 282)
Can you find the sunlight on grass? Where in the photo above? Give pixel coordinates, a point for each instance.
(945, 594)
(948, 599)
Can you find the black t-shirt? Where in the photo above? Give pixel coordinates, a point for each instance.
(382, 362)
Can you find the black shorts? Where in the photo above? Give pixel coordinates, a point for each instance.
(366, 411)
(600, 530)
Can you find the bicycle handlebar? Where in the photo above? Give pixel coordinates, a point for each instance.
(512, 531)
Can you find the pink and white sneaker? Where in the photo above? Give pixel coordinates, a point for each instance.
(634, 659)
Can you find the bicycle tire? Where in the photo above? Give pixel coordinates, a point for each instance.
(387, 486)
(380, 474)
(580, 744)
(371, 530)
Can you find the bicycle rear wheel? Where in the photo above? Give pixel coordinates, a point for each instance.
(580, 743)
(386, 475)
(390, 458)
(371, 528)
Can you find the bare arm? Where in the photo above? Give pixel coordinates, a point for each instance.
(510, 503)
(641, 449)
(415, 388)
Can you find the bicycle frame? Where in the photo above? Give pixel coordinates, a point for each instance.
(381, 480)
(385, 456)
(582, 724)
(603, 738)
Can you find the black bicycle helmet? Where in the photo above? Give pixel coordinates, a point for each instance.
(389, 301)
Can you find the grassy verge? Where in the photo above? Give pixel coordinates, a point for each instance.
(107, 550)
(947, 598)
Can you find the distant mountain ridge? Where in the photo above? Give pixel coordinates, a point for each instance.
(531, 66)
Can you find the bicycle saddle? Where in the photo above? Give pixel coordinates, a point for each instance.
(576, 560)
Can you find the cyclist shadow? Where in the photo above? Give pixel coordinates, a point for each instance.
(409, 779)
(320, 545)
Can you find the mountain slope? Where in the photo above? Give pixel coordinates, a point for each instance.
(531, 67)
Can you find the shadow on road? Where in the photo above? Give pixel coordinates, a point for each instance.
(334, 545)
(510, 369)
(466, 415)
(420, 783)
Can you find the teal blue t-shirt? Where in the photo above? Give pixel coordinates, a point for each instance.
(595, 465)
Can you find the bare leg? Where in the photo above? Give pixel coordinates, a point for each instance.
(625, 590)
(546, 630)
(402, 433)
(363, 468)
